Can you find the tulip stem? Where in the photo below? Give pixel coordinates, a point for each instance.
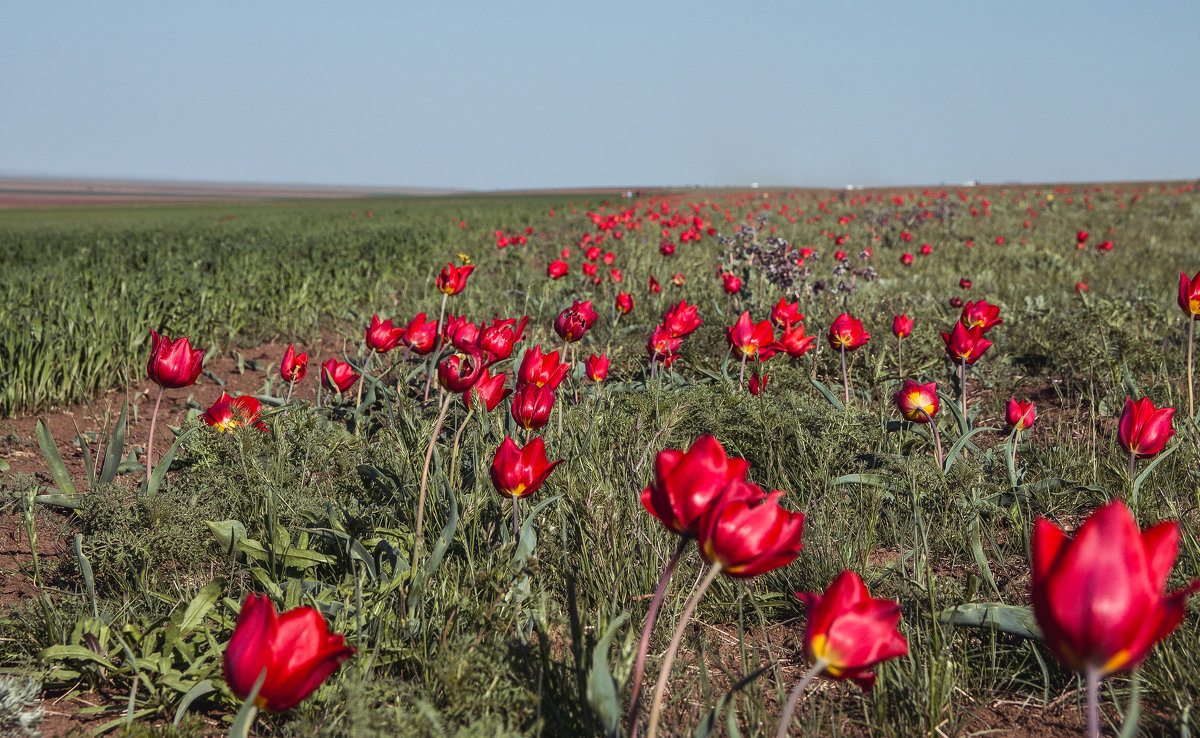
(1132, 468)
(664, 674)
(845, 377)
(437, 428)
(937, 438)
(962, 389)
(516, 521)
(1191, 405)
(437, 343)
(458, 435)
(150, 440)
(785, 722)
(1092, 678)
(742, 374)
(291, 386)
(639, 665)
(361, 382)
(900, 356)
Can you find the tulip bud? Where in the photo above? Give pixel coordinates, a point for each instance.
(294, 367)
(173, 364)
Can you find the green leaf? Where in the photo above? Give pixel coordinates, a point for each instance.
(71, 502)
(227, 533)
(833, 400)
(85, 569)
(1137, 483)
(528, 542)
(980, 558)
(869, 480)
(1133, 712)
(248, 711)
(200, 606)
(601, 687)
(196, 692)
(1010, 619)
(435, 556)
(115, 448)
(54, 460)
(75, 653)
(958, 446)
(160, 469)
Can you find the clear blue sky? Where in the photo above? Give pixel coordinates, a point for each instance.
(499, 95)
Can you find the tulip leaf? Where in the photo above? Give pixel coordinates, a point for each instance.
(1137, 483)
(528, 542)
(961, 443)
(601, 687)
(709, 723)
(160, 469)
(952, 404)
(981, 558)
(199, 607)
(227, 533)
(833, 400)
(77, 653)
(199, 690)
(71, 502)
(1010, 619)
(54, 460)
(85, 570)
(869, 480)
(1133, 713)
(248, 711)
(435, 556)
(115, 448)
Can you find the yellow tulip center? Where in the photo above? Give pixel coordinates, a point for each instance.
(819, 649)
(1194, 306)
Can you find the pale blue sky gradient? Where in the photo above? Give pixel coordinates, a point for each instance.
(494, 95)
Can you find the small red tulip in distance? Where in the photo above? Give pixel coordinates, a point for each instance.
(850, 631)
(381, 336)
(678, 279)
(570, 325)
(453, 279)
(173, 364)
(747, 533)
(1100, 599)
(1144, 430)
(847, 332)
(228, 413)
(337, 376)
(624, 303)
(1020, 415)
(902, 326)
(296, 649)
(1081, 239)
(294, 367)
(965, 283)
(906, 259)
(917, 402)
(519, 472)
(965, 344)
(758, 385)
(557, 269)
(654, 287)
(531, 406)
(731, 283)
(596, 367)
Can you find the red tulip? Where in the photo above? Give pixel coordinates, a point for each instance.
(597, 367)
(1100, 599)
(902, 326)
(1020, 415)
(917, 402)
(228, 413)
(981, 314)
(1144, 430)
(531, 405)
(294, 366)
(965, 283)
(518, 472)
(624, 302)
(795, 343)
(487, 392)
(570, 325)
(541, 369)
(1105, 246)
(458, 373)
(421, 335)
(747, 533)
(337, 376)
(847, 332)
(173, 364)
(381, 336)
(731, 283)
(655, 287)
(906, 259)
(682, 319)
(460, 332)
(589, 270)
(662, 344)
(584, 308)
(851, 631)
(687, 482)
(963, 343)
(1189, 295)
(956, 302)
(758, 385)
(557, 269)
(751, 341)
(678, 279)
(1081, 238)
(785, 314)
(499, 338)
(926, 249)
(296, 650)
(1081, 287)
(453, 279)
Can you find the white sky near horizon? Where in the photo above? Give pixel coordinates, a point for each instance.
(481, 95)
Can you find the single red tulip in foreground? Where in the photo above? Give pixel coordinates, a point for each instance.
(338, 376)
(501, 336)
(295, 649)
(687, 482)
(1020, 415)
(846, 334)
(794, 343)
(1144, 430)
(228, 413)
(173, 364)
(902, 326)
(917, 402)
(682, 319)
(965, 344)
(294, 366)
(519, 472)
(1100, 599)
(453, 279)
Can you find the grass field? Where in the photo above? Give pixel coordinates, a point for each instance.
(124, 596)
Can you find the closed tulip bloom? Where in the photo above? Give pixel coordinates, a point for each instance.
(531, 405)
(461, 333)
(173, 364)
(794, 343)
(906, 259)
(902, 326)
(847, 332)
(687, 482)
(487, 392)
(981, 314)
(337, 376)
(294, 367)
(1100, 599)
(420, 335)
(1144, 430)
(662, 343)
(1020, 415)
(786, 314)
(228, 413)
(624, 302)
(296, 649)
(965, 343)
(541, 369)
(557, 269)
(917, 402)
(758, 385)
(965, 283)
(596, 367)
(381, 336)
(458, 373)
(518, 472)
(731, 283)
(1081, 238)
(453, 279)
(570, 325)
(682, 319)
(500, 337)
(851, 631)
(747, 533)
(749, 340)
(1189, 295)
(654, 287)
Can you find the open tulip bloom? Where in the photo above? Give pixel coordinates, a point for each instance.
(918, 403)
(751, 341)
(172, 365)
(846, 334)
(228, 413)
(293, 369)
(1144, 430)
(1189, 303)
(1100, 599)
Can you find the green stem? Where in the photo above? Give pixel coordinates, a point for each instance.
(785, 722)
(639, 665)
(150, 440)
(437, 428)
(845, 378)
(660, 687)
